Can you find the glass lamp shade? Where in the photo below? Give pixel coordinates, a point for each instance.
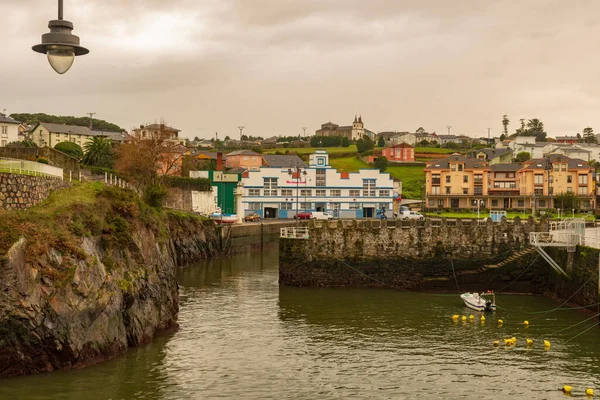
(60, 57)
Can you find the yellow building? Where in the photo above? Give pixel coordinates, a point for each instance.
(48, 134)
(458, 183)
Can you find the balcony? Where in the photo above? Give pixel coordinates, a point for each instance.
(478, 181)
(435, 181)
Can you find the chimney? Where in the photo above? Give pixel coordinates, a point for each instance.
(219, 161)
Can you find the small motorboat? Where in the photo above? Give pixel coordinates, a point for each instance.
(224, 218)
(480, 301)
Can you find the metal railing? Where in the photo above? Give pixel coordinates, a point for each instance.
(554, 239)
(294, 233)
(24, 167)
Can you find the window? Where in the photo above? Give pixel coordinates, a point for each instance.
(538, 179)
(287, 192)
(354, 193)
(306, 206)
(320, 179)
(447, 178)
(305, 192)
(494, 203)
(354, 206)
(253, 206)
(369, 187)
(4, 143)
(435, 179)
(447, 189)
(270, 185)
(478, 191)
(435, 190)
(384, 193)
(538, 192)
(285, 206)
(440, 203)
(246, 158)
(586, 204)
(253, 192)
(320, 192)
(253, 158)
(542, 203)
(452, 167)
(4, 131)
(465, 191)
(460, 167)
(583, 190)
(563, 167)
(557, 167)
(569, 178)
(583, 179)
(335, 193)
(520, 203)
(569, 190)
(478, 178)
(465, 178)
(431, 202)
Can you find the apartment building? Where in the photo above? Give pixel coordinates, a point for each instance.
(458, 183)
(9, 130)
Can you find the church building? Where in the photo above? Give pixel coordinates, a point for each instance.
(352, 132)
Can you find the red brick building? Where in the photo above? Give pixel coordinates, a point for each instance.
(399, 153)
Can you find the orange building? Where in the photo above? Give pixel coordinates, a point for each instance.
(399, 153)
(245, 159)
(458, 183)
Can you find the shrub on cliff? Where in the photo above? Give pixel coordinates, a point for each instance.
(42, 160)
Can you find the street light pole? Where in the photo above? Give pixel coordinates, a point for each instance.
(297, 169)
(241, 128)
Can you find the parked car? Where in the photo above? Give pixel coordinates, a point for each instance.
(302, 215)
(406, 215)
(321, 215)
(252, 217)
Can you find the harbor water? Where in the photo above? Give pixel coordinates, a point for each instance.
(242, 336)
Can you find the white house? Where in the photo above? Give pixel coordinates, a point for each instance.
(9, 130)
(276, 192)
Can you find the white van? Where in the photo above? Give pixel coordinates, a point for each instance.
(405, 215)
(321, 215)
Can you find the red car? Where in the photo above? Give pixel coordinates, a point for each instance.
(302, 215)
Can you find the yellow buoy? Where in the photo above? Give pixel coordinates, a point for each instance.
(509, 342)
(526, 323)
(463, 318)
(455, 316)
(589, 392)
(482, 318)
(546, 344)
(500, 322)
(496, 342)
(529, 342)
(514, 339)
(567, 389)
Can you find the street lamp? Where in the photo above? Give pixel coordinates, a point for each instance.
(298, 171)
(60, 45)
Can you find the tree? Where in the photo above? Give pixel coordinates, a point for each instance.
(566, 201)
(502, 137)
(34, 119)
(535, 127)
(522, 131)
(588, 135)
(345, 142)
(522, 157)
(98, 152)
(424, 143)
(70, 148)
(381, 142)
(227, 138)
(315, 141)
(505, 122)
(381, 163)
(579, 137)
(364, 144)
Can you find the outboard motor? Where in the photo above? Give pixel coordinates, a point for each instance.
(488, 305)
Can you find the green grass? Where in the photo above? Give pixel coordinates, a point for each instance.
(510, 215)
(434, 150)
(348, 164)
(412, 177)
(310, 150)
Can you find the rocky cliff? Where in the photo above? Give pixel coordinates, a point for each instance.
(88, 274)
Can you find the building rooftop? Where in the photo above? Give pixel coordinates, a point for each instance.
(243, 153)
(513, 167)
(8, 120)
(470, 163)
(283, 161)
(572, 163)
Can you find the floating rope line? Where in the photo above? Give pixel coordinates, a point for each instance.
(567, 308)
(574, 325)
(565, 302)
(581, 333)
(525, 270)
(370, 277)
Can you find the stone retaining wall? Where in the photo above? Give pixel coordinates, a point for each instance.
(24, 191)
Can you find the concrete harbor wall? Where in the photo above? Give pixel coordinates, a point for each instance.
(238, 238)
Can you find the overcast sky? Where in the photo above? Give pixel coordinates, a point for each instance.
(207, 66)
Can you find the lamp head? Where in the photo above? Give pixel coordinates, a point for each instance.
(60, 45)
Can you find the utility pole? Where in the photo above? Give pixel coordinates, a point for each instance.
(241, 128)
(448, 126)
(489, 129)
(304, 129)
(91, 114)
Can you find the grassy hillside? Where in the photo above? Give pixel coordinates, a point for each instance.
(310, 150)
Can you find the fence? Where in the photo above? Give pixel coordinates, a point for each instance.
(23, 167)
(294, 233)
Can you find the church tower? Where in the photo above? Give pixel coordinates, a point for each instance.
(358, 128)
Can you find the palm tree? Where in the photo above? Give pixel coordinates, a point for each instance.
(98, 152)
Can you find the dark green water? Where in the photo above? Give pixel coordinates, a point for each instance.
(242, 336)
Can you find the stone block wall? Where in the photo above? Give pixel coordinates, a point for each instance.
(24, 191)
(401, 254)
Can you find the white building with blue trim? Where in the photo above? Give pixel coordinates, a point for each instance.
(282, 192)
